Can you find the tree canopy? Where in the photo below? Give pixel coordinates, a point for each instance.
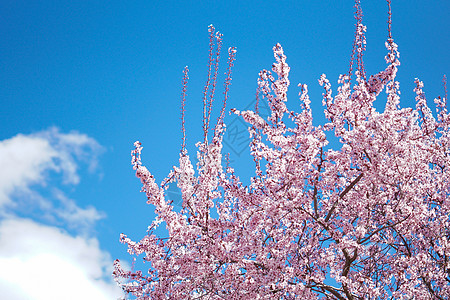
(366, 218)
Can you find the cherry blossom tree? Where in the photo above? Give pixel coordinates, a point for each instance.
(367, 218)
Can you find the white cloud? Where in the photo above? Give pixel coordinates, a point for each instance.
(28, 160)
(24, 160)
(40, 262)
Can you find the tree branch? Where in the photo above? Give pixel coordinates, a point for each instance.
(341, 195)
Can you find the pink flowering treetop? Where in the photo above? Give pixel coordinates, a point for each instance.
(368, 219)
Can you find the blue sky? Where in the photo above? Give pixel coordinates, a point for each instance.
(81, 81)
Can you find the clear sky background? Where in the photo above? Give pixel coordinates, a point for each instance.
(80, 81)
